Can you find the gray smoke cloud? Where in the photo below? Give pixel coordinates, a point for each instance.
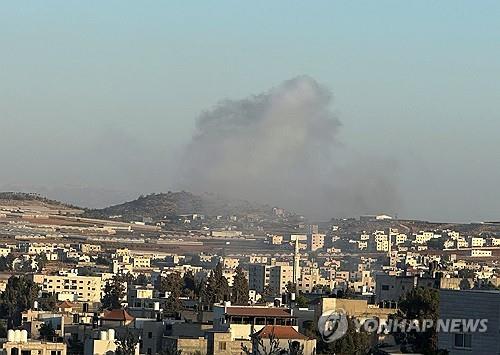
(282, 147)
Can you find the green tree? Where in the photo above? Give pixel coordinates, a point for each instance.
(217, 288)
(41, 261)
(19, 295)
(142, 280)
(354, 342)
(114, 291)
(301, 301)
(291, 287)
(172, 284)
(464, 284)
(126, 343)
(418, 304)
(271, 346)
(466, 274)
(47, 331)
(100, 260)
(170, 350)
(48, 303)
(189, 289)
(6, 262)
(3, 330)
(324, 289)
(239, 294)
(267, 291)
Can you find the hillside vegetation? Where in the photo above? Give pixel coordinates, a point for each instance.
(161, 205)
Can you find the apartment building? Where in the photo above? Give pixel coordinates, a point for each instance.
(317, 241)
(141, 262)
(279, 277)
(470, 305)
(258, 276)
(71, 286)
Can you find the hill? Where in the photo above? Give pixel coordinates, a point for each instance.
(33, 201)
(161, 205)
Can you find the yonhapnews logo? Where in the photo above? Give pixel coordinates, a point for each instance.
(333, 325)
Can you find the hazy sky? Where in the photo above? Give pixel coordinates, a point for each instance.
(101, 97)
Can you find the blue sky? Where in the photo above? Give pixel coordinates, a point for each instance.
(83, 84)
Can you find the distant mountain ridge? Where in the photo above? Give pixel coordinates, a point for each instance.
(160, 205)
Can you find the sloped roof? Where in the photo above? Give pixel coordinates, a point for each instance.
(66, 304)
(258, 312)
(117, 315)
(281, 332)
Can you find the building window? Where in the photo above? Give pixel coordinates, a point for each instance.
(150, 335)
(463, 340)
(222, 345)
(385, 287)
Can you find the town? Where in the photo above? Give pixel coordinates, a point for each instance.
(249, 282)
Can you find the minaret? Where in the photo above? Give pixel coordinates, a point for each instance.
(390, 242)
(296, 261)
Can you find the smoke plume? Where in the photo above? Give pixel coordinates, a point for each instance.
(282, 147)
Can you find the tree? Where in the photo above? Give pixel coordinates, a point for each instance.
(142, 280)
(47, 331)
(291, 287)
(85, 271)
(217, 288)
(100, 260)
(239, 294)
(464, 284)
(3, 331)
(418, 304)
(6, 262)
(301, 301)
(267, 291)
(222, 291)
(323, 289)
(271, 346)
(19, 295)
(48, 303)
(354, 342)
(189, 289)
(466, 274)
(127, 343)
(170, 350)
(348, 293)
(173, 285)
(41, 261)
(114, 291)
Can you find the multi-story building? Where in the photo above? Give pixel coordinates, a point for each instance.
(480, 253)
(258, 276)
(23, 346)
(90, 248)
(423, 237)
(276, 239)
(317, 241)
(230, 263)
(400, 238)
(476, 242)
(279, 277)
(71, 286)
(141, 262)
(471, 306)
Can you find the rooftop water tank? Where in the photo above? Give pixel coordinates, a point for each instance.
(24, 336)
(17, 336)
(104, 335)
(10, 335)
(111, 334)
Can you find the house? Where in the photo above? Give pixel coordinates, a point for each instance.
(471, 306)
(284, 337)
